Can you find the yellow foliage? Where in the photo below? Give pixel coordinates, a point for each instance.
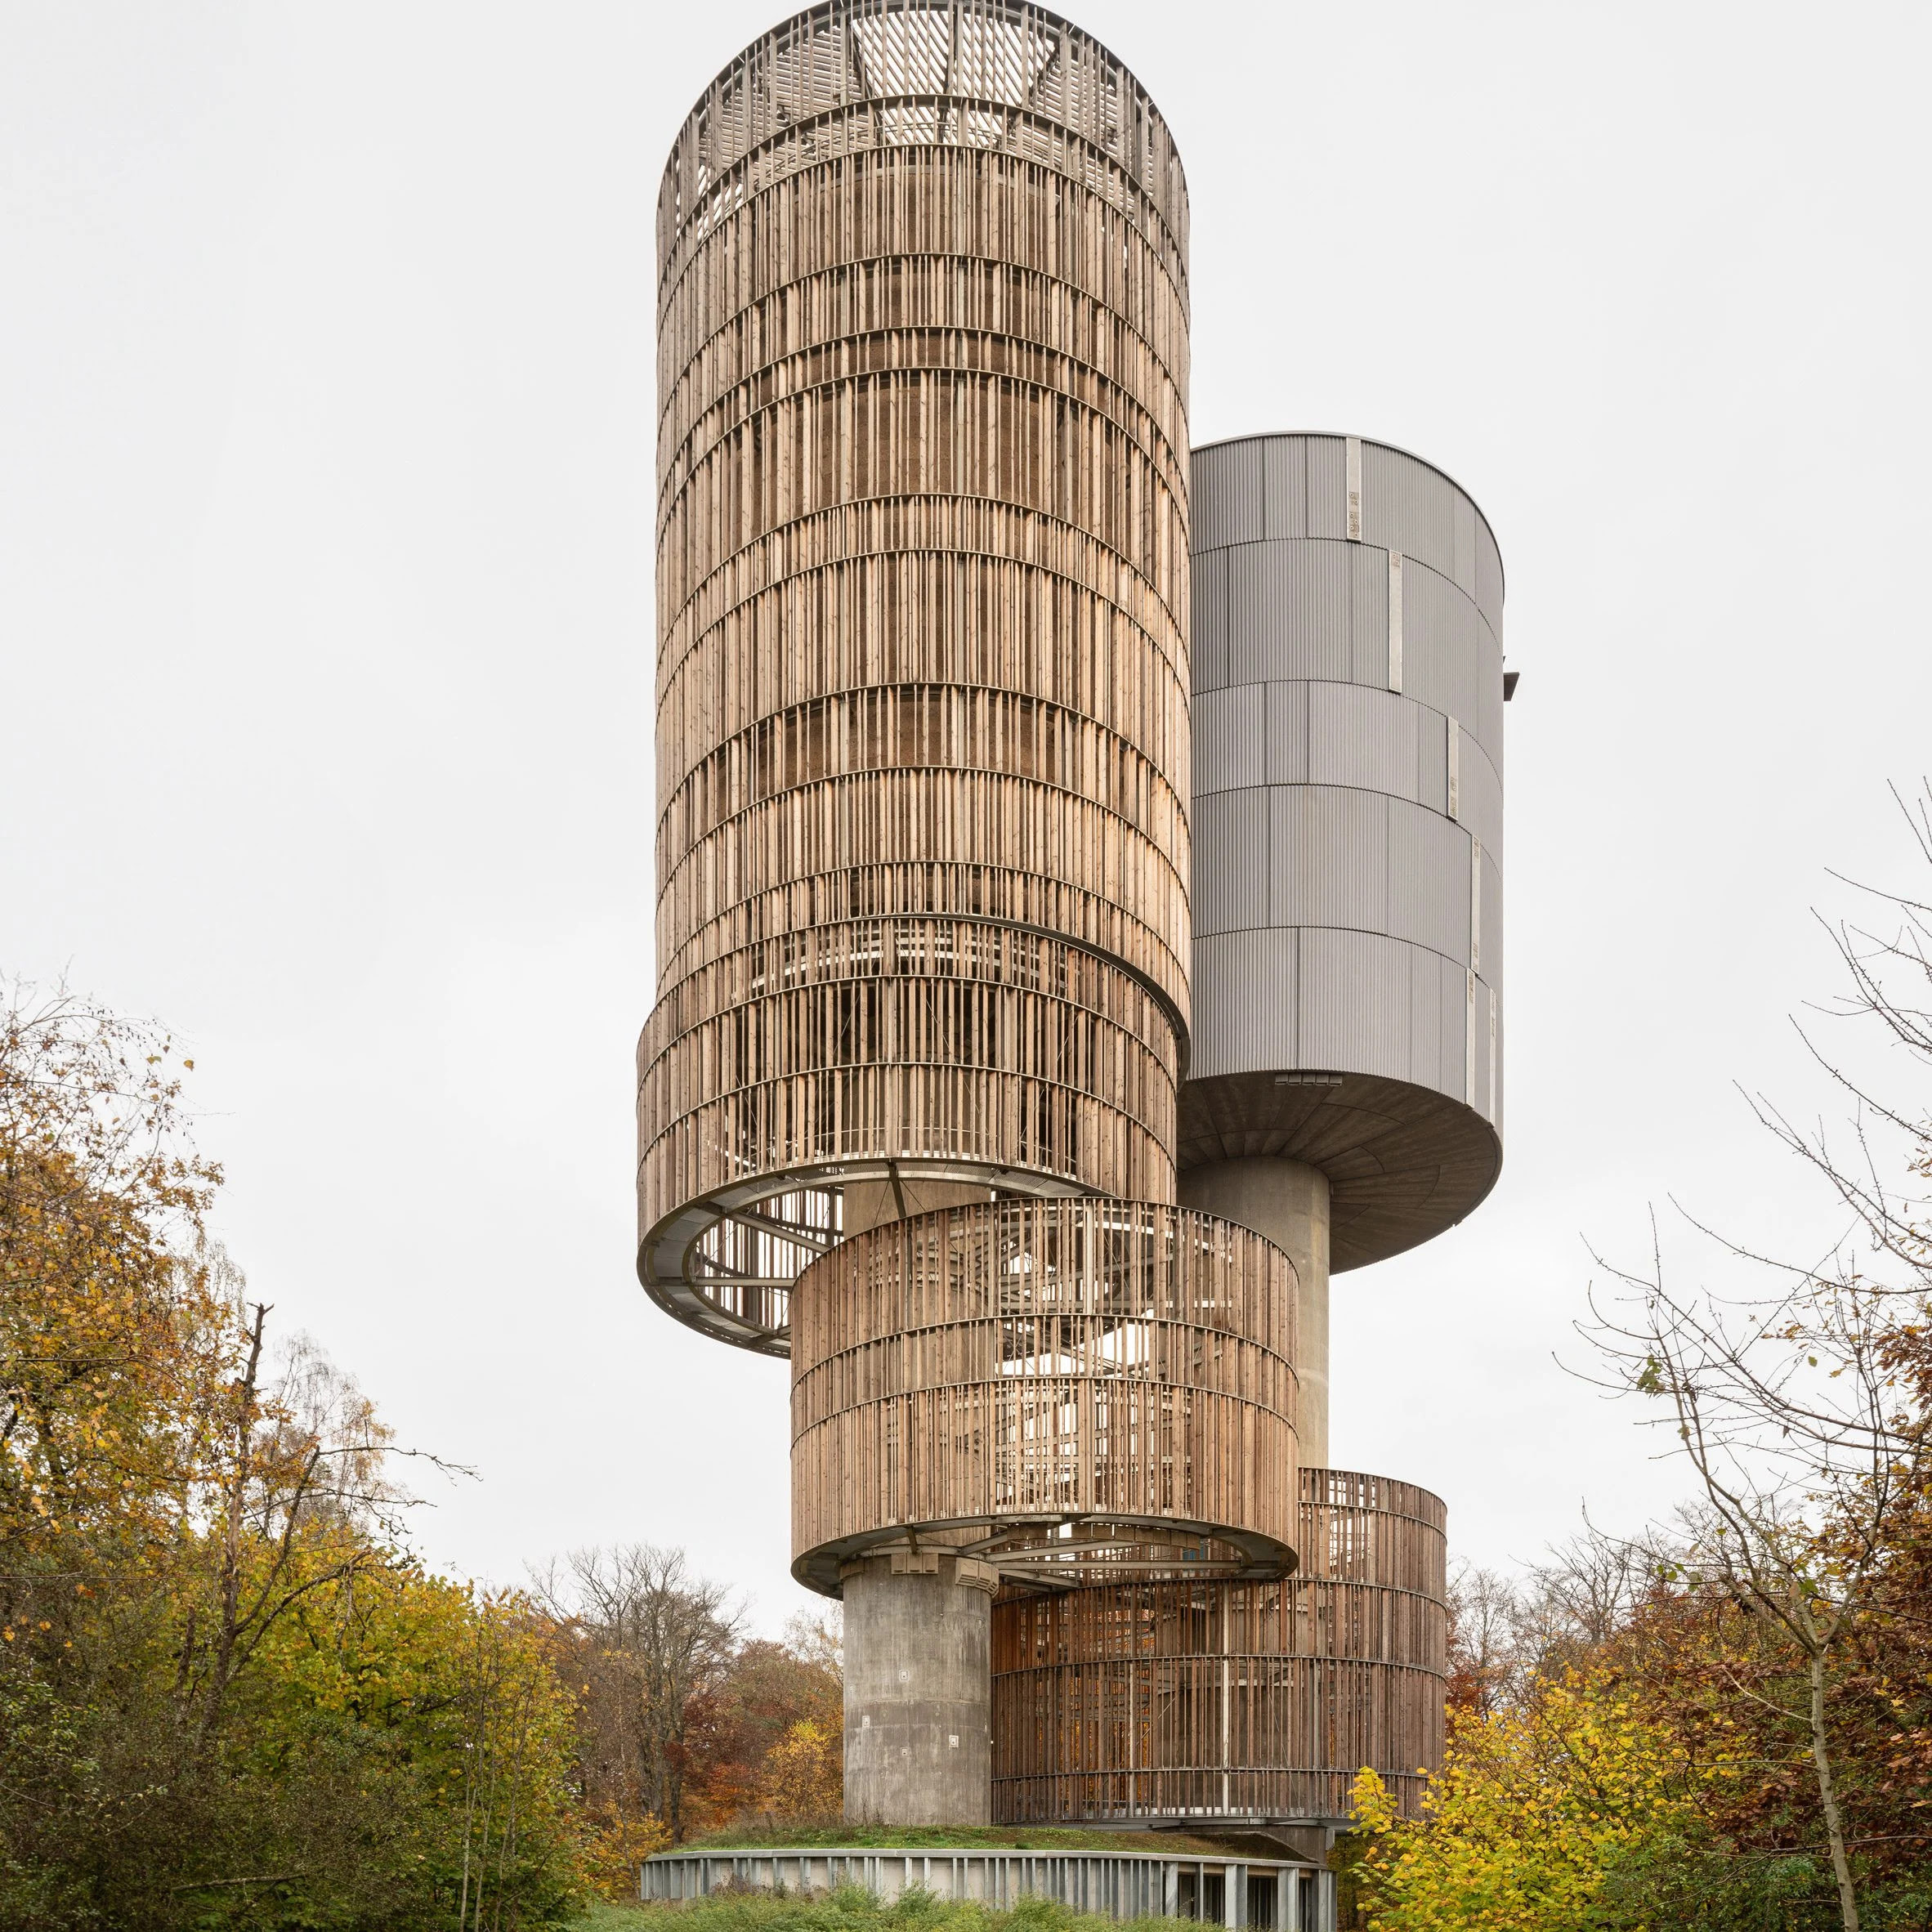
(616, 1850)
(1533, 1807)
(805, 1772)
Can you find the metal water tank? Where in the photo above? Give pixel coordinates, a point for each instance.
(1344, 1094)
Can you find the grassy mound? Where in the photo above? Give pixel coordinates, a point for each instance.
(851, 1909)
(766, 1837)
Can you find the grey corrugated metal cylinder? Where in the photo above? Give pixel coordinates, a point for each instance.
(1348, 850)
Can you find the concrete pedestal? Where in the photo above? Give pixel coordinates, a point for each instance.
(1286, 1200)
(918, 1692)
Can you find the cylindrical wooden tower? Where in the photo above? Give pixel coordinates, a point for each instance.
(923, 593)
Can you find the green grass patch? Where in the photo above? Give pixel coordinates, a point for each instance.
(849, 1909)
(755, 1837)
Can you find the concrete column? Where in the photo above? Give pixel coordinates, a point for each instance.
(1286, 1200)
(918, 1690)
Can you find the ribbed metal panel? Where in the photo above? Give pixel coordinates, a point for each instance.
(1248, 641)
(1425, 1020)
(1492, 920)
(1429, 603)
(1368, 576)
(1365, 738)
(1482, 798)
(1428, 880)
(1231, 875)
(1242, 503)
(1210, 620)
(1465, 545)
(1230, 727)
(1125, 1885)
(1489, 578)
(1211, 498)
(1502, 1081)
(1229, 498)
(1288, 733)
(1286, 613)
(1408, 507)
(1328, 858)
(1328, 487)
(1473, 698)
(1354, 1002)
(1432, 759)
(1450, 980)
(1285, 486)
(1489, 690)
(1246, 983)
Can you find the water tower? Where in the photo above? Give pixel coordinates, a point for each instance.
(1079, 917)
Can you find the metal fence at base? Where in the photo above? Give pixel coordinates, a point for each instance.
(1268, 1895)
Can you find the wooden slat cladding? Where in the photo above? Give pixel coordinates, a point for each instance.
(932, 433)
(1251, 1698)
(1240, 1738)
(888, 356)
(904, 1068)
(918, 590)
(1066, 1063)
(1023, 1369)
(922, 618)
(908, 310)
(965, 890)
(902, 817)
(950, 727)
(923, 599)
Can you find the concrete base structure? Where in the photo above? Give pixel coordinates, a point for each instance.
(1288, 1202)
(918, 1690)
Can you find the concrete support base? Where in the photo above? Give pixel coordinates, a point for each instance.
(1287, 1201)
(918, 1690)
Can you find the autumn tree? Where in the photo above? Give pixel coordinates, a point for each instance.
(1725, 1721)
(1793, 1401)
(774, 1745)
(110, 1340)
(1540, 1802)
(646, 1640)
(685, 1725)
(229, 1695)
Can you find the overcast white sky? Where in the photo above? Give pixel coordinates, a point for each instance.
(326, 397)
